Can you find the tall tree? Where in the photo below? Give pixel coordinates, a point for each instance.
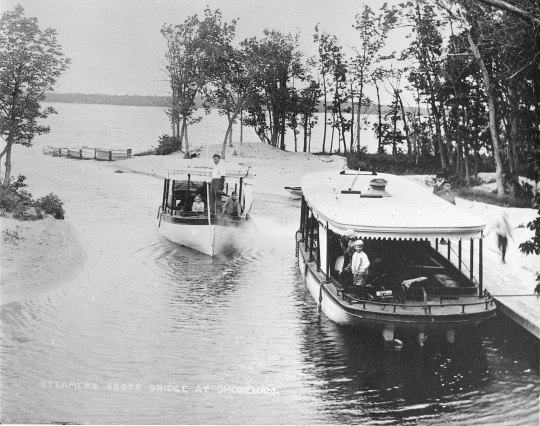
(31, 61)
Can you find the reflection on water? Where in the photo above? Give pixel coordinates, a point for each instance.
(146, 312)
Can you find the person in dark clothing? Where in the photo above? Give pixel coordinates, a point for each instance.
(346, 275)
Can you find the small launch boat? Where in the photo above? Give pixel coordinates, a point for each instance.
(209, 233)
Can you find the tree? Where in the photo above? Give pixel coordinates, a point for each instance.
(31, 61)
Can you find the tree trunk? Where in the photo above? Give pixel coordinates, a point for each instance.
(492, 114)
(352, 119)
(7, 174)
(325, 115)
(379, 111)
(405, 125)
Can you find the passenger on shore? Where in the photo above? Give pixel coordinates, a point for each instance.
(359, 266)
(503, 230)
(217, 185)
(446, 193)
(232, 206)
(198, 205)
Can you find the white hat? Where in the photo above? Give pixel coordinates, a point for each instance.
(358, 243)
(349, 233)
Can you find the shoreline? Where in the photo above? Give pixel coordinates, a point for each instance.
(37, 256)
(47, 254)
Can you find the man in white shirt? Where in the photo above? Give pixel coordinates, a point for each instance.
(359, 265)
(217, 185)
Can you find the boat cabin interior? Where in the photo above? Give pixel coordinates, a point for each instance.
(179, 195)
(400, 269)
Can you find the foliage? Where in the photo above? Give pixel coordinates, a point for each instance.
(483, 196)
(52, 205)
(168, 144)
(17, 201)
(400, 163)
(30, 63)
(533, 245)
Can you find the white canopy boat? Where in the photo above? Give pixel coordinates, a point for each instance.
(411, 286)
(206, 232)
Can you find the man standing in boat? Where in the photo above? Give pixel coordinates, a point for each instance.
(359, 266)
(218, 183)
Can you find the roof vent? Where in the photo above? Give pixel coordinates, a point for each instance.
(377, 188)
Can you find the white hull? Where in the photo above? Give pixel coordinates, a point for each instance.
(208, 239)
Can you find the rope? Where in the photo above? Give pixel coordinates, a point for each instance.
(320, 297)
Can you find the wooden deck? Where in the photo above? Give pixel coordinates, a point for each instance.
(510, 284)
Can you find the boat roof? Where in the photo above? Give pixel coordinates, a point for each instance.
(410, 212)
(179, 169)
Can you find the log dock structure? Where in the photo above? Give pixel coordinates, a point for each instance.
(87, 153)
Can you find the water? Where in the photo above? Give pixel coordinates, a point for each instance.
(145, 312)
(138, 128)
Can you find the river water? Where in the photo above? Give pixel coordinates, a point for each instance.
(150, 332)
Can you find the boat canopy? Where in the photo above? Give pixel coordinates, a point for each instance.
(395, 209)
(179, 169)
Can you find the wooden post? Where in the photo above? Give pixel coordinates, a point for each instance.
(448, 249)
(436, 244)
(306, 218)
(240, 193)
(318, 246)
(129, 153)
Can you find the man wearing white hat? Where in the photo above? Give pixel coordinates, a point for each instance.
(359, 265)
(218, 183)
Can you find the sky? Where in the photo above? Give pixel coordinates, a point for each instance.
(116, 46)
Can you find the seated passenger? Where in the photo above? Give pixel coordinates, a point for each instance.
(232, 206)
(359, 266)
(198, 205)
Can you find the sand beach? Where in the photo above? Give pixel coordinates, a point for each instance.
(42, 254)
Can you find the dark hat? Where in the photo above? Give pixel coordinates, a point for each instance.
(216, 155)
(440, 175)
(446, 182)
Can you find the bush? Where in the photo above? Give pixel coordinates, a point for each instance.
(168, 144)
(18, 202)
(52, 205)
(399, 164)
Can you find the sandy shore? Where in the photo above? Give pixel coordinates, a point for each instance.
(37, 256)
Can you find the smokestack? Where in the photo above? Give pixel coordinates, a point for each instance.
(377, 188)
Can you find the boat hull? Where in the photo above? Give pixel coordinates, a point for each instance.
(389, 318)
(220, 236)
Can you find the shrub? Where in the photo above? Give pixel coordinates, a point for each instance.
(149, 151)
(168, 144)
(52, 205)
(18, 202)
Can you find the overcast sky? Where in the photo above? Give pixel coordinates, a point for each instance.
(116, 46)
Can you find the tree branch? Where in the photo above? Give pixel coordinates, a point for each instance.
(502, 5)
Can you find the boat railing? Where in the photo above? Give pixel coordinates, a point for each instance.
(426, 306)
(204, 215)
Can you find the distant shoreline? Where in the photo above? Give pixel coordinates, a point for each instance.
(148, 101)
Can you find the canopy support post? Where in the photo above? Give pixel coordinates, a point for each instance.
(311, 240)
(187, 193)
(448, 249)
(471, 265)
(165, 194)
(480, 268)
(437, 244)
(173, 201)
(459, 254)
(327, 252)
